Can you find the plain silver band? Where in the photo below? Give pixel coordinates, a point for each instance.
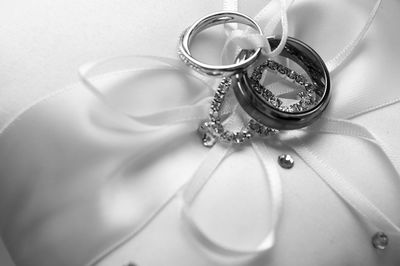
(209, 21)
(269, 116)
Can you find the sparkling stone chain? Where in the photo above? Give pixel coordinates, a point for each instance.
(213, 130)
(308, 98)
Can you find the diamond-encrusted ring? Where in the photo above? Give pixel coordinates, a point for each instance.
(209, 21)
(265, 107)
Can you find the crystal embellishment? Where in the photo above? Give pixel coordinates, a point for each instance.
(307, 98)
(209, 140)
(380, 241)
(213, 130)
(286, 161)
(207, 136)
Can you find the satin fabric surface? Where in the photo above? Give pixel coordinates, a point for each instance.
(76, 176)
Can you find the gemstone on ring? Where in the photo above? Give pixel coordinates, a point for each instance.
(208, 21)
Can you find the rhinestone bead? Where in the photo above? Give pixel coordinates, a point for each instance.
(261, 130)
(286, 109)
(256, 76)
(203, 128)
(238, 138)
(247, 134)
(274, 101)
(302, 94)
(216, 104)
(257, 88)
(308, 86)
(209, 139)
(217, 127)
(291, 75)
(272, 131)
(300, 79)
(214, 114)
(380, 240)
(272, 65)
(301, 82)
(227, 136)
(313, 96)
(286, 161)
(267, 93)
(218, 98)
(282, 70)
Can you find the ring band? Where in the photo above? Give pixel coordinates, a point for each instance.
(209, 21)
(254, 104)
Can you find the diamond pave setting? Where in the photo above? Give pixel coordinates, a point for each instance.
(307, 97)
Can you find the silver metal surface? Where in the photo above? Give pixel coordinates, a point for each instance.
(266, 114)
(209, 21)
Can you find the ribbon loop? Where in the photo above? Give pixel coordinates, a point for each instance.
(254, 41)
(129, 69)
(350, 195)
(203, 174)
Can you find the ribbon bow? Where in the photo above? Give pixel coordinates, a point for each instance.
(193, 113)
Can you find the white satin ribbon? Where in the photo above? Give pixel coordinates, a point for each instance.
(250, 41)
(166, 117)
(337, 60)
(246, 40)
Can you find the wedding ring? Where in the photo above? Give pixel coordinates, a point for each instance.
(266, 109)
(209, 21)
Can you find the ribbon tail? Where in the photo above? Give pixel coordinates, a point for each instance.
(366, 210)
(336, 61)
(348, 128)
(373, 107)
(200, 179)
(275, 187)
(215, 157)
(174, 115)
